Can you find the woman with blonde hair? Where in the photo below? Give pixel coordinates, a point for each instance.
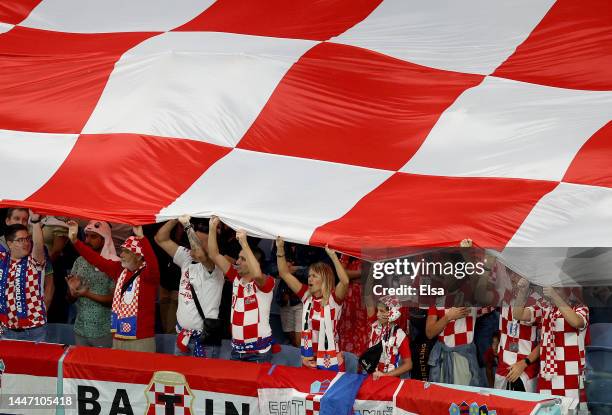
(322, 308)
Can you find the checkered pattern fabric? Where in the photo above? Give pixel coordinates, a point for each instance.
(133, 245)
(180, 396)
(461, 331)
(516, 341)
(394, 346)
(125, 307)
(467, 101)
(34, 296)
(312, 315)
(562, 351)
(250, 309)
(312, 404)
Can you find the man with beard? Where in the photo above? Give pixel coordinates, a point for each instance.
(92, 289)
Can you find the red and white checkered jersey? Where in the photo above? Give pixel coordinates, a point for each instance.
(34, 295)
(312, 314)
(562, 351)
(250, 309)
(396, 345)
(461, 331)
(524, 335)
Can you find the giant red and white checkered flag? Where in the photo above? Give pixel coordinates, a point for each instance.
(358, 123)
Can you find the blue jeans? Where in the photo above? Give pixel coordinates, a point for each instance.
(36, 334)
(211, 352)
(252, 357)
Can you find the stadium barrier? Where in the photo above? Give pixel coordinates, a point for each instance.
(104, 381)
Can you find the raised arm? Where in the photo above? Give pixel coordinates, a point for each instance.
(162, 238)
(342, 287)
(111, 268)
(254, 267)
(38, 244)
(283, 268)
(148, 254)
(213, 247)
(519, 311)
(199, 253)
(573, 318)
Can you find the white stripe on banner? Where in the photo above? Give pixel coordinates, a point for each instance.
(28, 385)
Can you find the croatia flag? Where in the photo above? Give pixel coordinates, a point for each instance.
(300, 391)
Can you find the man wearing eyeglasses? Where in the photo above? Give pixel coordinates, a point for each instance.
(22, 302)
(19, 215)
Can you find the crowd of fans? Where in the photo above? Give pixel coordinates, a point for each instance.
(205, 282)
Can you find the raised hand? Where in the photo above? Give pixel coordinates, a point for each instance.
(184, 219)
(138, 231)
(35, 217)
(330, 251)
(280, 244)
(242, 237)
(73, 230)
(213, 223)
(466, 243)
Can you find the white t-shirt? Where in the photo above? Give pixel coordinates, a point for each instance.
(208, 287)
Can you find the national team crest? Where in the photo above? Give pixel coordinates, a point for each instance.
(313, 399)
(169, 390)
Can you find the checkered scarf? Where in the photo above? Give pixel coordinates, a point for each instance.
(327, 352)
(184, 336)
(125, 307)
(548, 356)
(18, 295)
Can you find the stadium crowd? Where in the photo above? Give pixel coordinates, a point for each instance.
(205, 282)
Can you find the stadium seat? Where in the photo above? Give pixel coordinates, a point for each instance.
(601, 334)
(599, 387)
(599, 359)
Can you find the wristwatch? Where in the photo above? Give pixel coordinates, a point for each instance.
(527, 361)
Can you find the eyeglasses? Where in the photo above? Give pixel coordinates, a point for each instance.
(22, 240)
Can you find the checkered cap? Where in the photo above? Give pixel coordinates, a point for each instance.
(133, 245)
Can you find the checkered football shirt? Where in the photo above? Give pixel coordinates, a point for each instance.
(250, 316)
(395, 347)
(562, 352)
(461, 331)
(312, 314)
(524, 335)
(34, 296)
